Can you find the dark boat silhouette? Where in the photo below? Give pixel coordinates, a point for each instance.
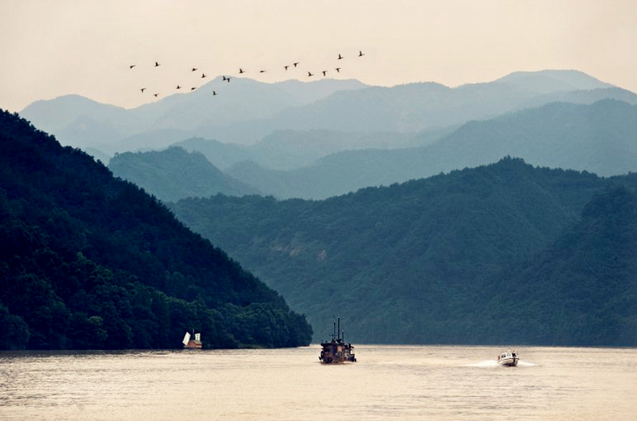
(337, 350)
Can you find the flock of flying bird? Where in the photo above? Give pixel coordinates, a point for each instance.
(242, 71)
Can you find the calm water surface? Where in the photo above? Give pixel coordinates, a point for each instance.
(387, 382)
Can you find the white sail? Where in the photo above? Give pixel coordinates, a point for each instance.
(186, 338)
(198, 337)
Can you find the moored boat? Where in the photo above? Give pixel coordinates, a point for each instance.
(337, 350)
(508, 358)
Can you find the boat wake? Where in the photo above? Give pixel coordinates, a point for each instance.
(486, 363)
(493, 363)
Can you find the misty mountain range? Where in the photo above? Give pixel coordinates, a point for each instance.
(599, 138)
(245, 111)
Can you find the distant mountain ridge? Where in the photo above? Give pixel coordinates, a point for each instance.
(599, 138)
(245, 111)
(181, 114)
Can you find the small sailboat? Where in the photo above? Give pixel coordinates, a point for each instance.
(192, 343)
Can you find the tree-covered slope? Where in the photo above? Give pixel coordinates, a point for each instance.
(174, 174)
(584, 285)
(408, 263)
(90, 261)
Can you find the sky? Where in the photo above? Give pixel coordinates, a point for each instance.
(51, 48)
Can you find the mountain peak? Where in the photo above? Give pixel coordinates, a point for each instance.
(545, 81)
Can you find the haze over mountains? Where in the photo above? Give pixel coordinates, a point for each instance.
(245, 111)
(598, 138)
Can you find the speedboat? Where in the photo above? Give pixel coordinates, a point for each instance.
(508, 358)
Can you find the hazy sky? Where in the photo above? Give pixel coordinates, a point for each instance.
(50, 48)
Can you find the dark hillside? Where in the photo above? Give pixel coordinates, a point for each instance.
(587, 280)
(90, 261)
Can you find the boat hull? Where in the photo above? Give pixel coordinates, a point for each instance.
(337, 360)
(192, 344)
(337, 352)
(508, 362)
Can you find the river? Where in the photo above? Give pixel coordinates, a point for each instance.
(387, 383)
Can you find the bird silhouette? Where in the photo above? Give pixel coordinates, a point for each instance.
(157, 64)
(340, 57)
(338, 70)
(241, 71)
(295, 63)
(156, 95)
(203, 75)
(261, 71)
(309, 74)
(286, 68)
(131, 66)
(194, 69)
(193, 88)
(143, 89)
(324, 72)
(214, 93)
(360, 53)
(226, 79)
(178, 87)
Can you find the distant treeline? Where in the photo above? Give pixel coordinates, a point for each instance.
(91, 261)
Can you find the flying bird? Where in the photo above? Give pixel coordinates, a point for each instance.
(226, 79)
(261, 71)
(241, 71)
(143, 89)
(324, 72)
(193, 88)
(214, 93)
(178, 87)
(309, 74)
(286, 68)
(295, 63)
(340, 57)
(156, 95)
(203, 75)
(194, 69)
(157, 64)
(338, 70)
(131, 66)
(360, 53)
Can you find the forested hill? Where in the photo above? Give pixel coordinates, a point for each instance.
(466, 257)
(91, 261)
(586, 279)
(174, 174)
